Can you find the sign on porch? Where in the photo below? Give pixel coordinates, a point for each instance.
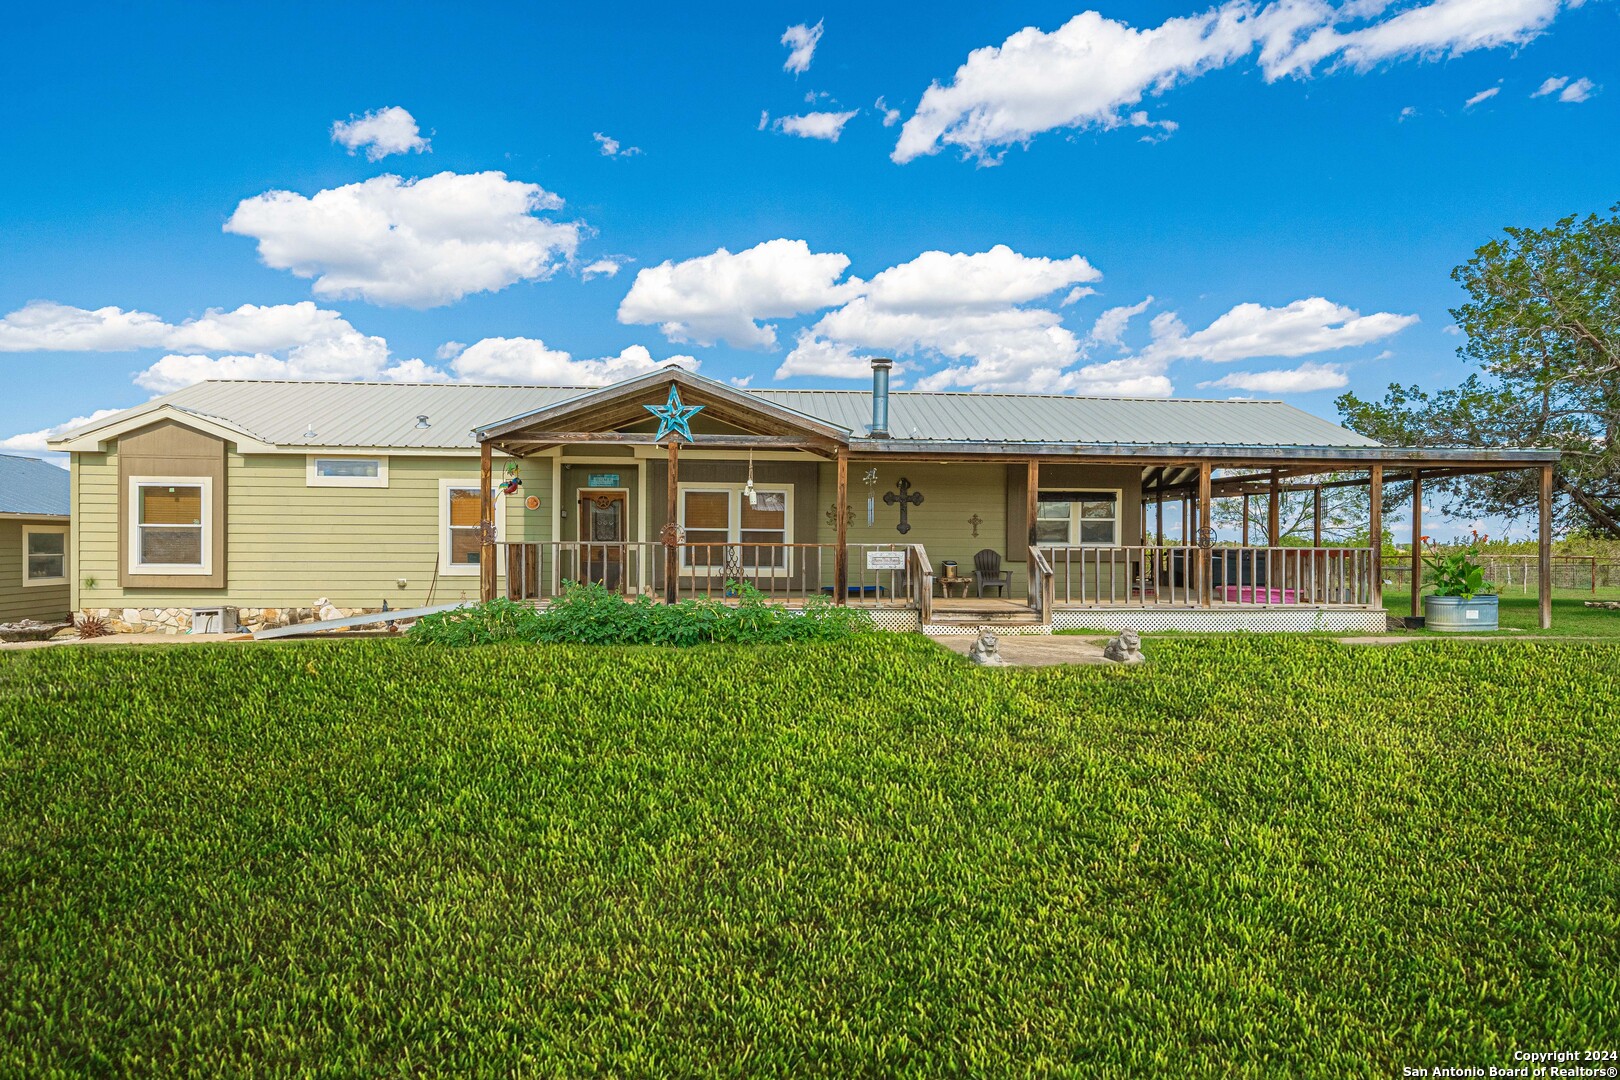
(602, 479)
(885, 560)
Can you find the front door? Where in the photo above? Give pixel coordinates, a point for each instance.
(601, 532)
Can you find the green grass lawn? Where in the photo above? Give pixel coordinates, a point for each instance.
(1571, 618)
(1261, 856)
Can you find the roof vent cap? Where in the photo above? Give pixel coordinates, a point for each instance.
(422, 421)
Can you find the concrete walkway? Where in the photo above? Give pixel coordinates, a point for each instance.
(129, 639)
(1035, 650)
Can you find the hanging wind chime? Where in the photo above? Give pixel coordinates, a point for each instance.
(870, 480)
(748, 489)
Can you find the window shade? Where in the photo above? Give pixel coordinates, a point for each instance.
(171, 506)
(708, 510)
(463, 507)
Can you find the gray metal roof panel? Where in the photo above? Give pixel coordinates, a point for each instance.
(383, 415)
(31, 486)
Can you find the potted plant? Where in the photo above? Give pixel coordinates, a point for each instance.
(1462, 599)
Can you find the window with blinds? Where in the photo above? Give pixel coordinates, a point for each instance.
(170, 530)
(723, 528)
(44, 554)
(463, 543)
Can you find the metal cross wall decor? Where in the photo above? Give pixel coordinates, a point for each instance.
(674, 418)
(975, 521)
(906, 499)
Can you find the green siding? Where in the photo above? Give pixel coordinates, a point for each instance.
(43, 602)
(288, 543)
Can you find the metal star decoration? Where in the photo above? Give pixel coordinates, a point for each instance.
(674, 418)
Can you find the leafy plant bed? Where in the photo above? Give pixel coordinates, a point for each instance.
(1261, 856)
(591, 615)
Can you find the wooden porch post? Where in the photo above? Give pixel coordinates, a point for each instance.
(1245, 521)
(486, 522)
(1316, 516)
(1186, 532)
(1544, 546)
(671, 532)
(841, 511)
(1159, 511)
(1202, 557)
(1417, 543)
(1375, 491)
(1273, 512)
(1032, 496)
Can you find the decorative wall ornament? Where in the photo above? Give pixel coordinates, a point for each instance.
(975, 521)
(532, 502)
(831, 515)
(1206, 537)
(906, 499)
(674, 418)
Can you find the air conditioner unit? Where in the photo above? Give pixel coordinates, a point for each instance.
(213, 620)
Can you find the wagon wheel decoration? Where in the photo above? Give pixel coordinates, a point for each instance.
(1205, 537)
(672, 533)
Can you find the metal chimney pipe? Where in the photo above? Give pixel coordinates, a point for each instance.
(880, 397)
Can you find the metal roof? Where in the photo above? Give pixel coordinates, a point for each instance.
(31, 486)
(384, 415)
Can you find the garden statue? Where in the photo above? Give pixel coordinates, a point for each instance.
(1126, 649)
(985, 651)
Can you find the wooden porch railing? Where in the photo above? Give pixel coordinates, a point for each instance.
(921, 582)
(1042, 587)
(537, 570)
(1155, 576)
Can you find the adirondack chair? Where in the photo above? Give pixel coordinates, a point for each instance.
(988, 574)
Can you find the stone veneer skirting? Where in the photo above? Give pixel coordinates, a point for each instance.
(174, 620)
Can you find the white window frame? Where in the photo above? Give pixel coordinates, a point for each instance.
(133, 502)
(312, 478)
(734, 525)
(454, 569)
(1074, 516)
(30, 530)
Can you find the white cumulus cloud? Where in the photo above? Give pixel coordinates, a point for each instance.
(801, 40)
(727, 297)
(1483, 95)
(1094, 72)
(530, 360)
(1109, 329)
(1553, 84)
(611, 147)
(1579, 90)
(599, 268)
(1304, 327)
(33, 442)
(380, 133)
(417, 243)
(1303, 379)
(815, 125)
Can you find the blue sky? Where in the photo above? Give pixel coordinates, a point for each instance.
(1290, 183)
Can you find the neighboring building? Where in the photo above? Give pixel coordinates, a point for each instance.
(34, 562)
(265, 496)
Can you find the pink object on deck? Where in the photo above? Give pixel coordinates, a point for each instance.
(1249, 594)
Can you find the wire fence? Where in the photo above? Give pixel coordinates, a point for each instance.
(1518, 573)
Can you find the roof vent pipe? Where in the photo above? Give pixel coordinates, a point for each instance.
(880, 397)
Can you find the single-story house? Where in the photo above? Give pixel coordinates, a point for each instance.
(939, 511)
(34, 562)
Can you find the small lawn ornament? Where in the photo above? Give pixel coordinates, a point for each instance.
(512, 482)
(1125, 649)
(986, 651)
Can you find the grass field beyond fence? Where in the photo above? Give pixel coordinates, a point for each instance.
(1252, 856)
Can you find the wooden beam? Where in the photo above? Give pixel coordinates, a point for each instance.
(1316, 516)
(648, 438)
(841, 512)
(1202, 555)
(671, 550)
(1417, 544)
(1245, 520)
(1375, 493)
(1273, 511)
(1032, 496)
(1544, 546)
(486, 522)
(1186, 520)
(1159, 511)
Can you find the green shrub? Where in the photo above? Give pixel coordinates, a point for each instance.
(590, 614)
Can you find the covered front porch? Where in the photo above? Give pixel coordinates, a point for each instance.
(945, 536)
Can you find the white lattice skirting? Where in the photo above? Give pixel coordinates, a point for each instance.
(975, 629)
(1255, 621)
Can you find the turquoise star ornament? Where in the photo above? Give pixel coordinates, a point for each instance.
(674, 418)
